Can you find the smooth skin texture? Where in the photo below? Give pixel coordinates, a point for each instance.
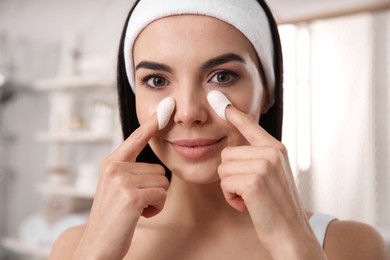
(236, 200)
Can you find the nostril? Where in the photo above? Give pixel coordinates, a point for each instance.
(190, 112)
(197, 122)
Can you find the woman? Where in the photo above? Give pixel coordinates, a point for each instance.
(231, 193)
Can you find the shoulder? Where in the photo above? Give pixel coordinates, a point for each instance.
(354, 240)
(66, 244)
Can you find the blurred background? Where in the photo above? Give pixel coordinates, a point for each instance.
(58, 111)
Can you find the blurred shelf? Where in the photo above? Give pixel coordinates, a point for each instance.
(64, 189)
(20, 247)
(73, 137)
(74, 82)
(6, 136)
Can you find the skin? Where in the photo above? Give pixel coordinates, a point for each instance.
(238, 201)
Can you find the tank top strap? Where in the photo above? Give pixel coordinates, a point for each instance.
(319, 223)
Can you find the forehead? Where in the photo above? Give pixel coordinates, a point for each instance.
(195, 33)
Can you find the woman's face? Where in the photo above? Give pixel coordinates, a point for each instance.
(185, 57)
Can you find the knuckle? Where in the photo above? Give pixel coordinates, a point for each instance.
(104, 163)
(224, 184)
(136, 135)
(274, 156)
(264, 168)
(282, 149)
(109, 169)
(255, 184)
(161, 194)
(225, 154)
(164, 182)
(133, 198)
(221, 170)
(246, 120)
(112, 174)
(158, 169)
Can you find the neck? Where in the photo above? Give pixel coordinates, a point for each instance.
(202, 204)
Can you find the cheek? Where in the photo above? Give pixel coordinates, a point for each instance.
(249, 102)
(145, 108)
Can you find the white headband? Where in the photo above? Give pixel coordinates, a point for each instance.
(246, 15)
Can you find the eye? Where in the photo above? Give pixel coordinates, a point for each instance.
(155, 81)
(223, 77)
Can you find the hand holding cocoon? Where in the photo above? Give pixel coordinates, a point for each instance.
(164, 111)
(218, 101)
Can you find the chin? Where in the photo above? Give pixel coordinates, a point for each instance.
(204, 172)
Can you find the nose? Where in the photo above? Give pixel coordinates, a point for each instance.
(191, 106)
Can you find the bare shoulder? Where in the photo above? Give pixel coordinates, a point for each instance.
(354, 240)
(67, 243)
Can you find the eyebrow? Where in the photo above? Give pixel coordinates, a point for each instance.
(222, 59)
(153, 66)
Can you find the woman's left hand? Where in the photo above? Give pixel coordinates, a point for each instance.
(258, 178)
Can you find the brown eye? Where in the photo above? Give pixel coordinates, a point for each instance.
(223, 77)
(156, 82)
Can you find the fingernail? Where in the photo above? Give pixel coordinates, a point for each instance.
(218, 102)
(164, 111)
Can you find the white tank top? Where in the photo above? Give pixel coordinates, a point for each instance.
(319, 223)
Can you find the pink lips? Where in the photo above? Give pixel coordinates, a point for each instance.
(195, 148)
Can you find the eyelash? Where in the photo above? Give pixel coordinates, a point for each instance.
(149, 77)
(234, 76)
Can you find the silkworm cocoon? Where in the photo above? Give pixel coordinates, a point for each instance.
(164, 111)
(218, 101)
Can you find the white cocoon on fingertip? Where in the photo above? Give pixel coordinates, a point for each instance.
(218, 101)
(164, 111)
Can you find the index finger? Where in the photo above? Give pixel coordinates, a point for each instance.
(136, 142)
(248, 127)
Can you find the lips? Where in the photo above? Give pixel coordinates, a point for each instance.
(196, 148)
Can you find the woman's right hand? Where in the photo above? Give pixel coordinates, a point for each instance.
(126, 190)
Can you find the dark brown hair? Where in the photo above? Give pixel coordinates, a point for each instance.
(271, 121)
